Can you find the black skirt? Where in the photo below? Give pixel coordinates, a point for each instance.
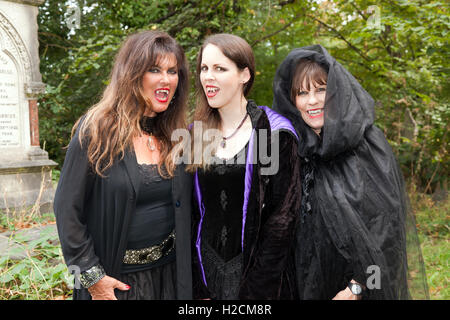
(158, 283)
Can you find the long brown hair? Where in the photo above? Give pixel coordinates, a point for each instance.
(110, 125)
(237, 50)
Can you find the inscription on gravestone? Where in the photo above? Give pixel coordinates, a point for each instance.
(9, 103)
(25, 170)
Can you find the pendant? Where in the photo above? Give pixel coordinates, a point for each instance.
(150, 144)
(223, 143)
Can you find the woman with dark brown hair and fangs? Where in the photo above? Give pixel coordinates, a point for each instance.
(122, 204)
(357, 237)
(244, 222)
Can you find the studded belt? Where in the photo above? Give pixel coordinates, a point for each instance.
(151, 254)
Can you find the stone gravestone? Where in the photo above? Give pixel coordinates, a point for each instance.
(25, 170)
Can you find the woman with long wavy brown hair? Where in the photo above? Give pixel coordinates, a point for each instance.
(122, 204)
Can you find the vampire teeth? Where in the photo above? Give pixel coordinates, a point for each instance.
(163, 91)
(211, 91)
(162, 95)
(315, 113)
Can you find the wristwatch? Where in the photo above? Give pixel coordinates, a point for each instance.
(355, 288)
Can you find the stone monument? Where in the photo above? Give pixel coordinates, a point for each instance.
(25, 170)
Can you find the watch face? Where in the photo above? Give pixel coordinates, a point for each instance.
(356, 289)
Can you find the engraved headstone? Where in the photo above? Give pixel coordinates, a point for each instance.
(9, 103)
(25, 170)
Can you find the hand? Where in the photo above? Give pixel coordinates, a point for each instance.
(104, 288)
(346, 294)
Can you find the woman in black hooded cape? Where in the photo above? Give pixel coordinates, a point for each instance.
(355, 218)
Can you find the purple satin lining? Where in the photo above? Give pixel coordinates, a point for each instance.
(202, 214)
(248, 184)
(277, 122)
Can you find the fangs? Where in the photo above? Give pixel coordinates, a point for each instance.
(212, 90)
(163, 91)
(315, 112)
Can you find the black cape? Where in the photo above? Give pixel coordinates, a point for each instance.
(357, 192)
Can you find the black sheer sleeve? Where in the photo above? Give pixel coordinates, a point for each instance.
(71, 196)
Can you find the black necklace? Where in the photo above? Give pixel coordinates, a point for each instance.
(223, 143)
(148, 125)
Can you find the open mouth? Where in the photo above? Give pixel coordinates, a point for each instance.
(315, 113)
(211, 91)
(162, 95)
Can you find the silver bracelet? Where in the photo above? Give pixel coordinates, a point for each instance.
(92, 275)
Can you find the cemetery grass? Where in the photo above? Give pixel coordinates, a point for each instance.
(433, 225)
(42, 275)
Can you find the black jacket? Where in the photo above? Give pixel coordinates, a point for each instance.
(357, 192)
(93, 214)
(272, 215)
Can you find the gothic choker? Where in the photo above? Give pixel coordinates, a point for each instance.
(148, 125)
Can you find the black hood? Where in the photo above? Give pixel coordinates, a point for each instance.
(352, 184)
(348, 110)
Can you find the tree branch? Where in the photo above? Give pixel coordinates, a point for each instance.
(54, 35)
(283, 3)
(382, 39)
(278, 31)
(170, 14)
(340, 36)
(359, 10)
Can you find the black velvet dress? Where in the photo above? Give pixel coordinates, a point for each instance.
(223, 189)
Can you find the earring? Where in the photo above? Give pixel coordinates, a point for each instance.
(172, 100)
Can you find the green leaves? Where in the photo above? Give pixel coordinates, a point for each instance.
(396, 49)
(40, 274)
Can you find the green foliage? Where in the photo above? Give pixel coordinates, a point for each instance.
(398, 50)
(433, 224)
(41, 275)
(436, 253)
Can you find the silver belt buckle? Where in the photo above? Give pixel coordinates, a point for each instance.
(148, 255)
(155, 253)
